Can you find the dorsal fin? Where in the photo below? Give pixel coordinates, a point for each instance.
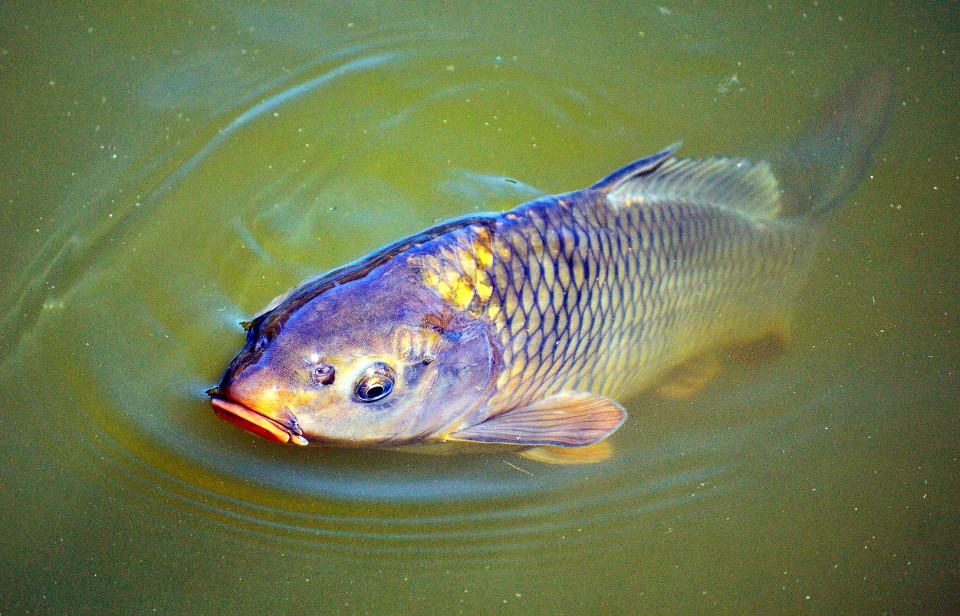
(637, 167)
(734, 184)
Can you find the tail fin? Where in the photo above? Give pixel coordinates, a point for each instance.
(832, 154)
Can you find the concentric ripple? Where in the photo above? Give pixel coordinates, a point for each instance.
(338, 156)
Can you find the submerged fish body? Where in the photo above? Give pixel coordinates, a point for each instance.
(525, 328)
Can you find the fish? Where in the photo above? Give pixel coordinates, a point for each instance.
(525, 330)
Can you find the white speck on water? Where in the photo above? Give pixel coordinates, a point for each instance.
(732, 83)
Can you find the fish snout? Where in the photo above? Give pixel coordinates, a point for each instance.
(252, 404)
(283, 429)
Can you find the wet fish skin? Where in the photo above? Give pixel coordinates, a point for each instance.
(524, 328)
(586, 292)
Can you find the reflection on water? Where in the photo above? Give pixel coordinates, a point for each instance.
(290, 141)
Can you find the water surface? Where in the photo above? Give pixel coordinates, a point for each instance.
(166, 172)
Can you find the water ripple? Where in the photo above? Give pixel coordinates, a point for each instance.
(302, 173)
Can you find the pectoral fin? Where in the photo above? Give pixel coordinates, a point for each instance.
(551, 454)
(571, 419)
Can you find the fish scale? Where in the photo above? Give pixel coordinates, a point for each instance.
(580, 292)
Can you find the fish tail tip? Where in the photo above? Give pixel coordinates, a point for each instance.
(830, 157)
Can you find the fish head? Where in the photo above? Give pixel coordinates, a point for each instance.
(376, 361)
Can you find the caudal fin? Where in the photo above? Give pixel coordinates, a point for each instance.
(832, 154)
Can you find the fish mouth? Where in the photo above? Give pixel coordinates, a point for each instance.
(256, 422)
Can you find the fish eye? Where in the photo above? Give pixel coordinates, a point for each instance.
(375, 383)
(324, 374)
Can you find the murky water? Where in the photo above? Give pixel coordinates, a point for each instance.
(165, 173)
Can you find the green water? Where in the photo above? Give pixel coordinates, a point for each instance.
(165, 172)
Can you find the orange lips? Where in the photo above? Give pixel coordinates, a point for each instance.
(254, 422)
